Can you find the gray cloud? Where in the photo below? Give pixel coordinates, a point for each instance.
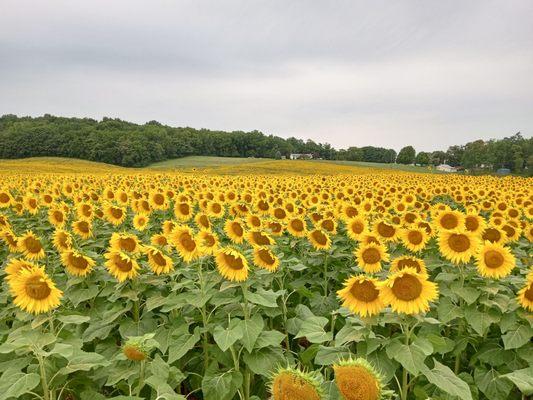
(386, 73)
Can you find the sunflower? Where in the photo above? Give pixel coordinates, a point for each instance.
(361, 295)
(140, 221)
(408, 292)
(402, 262)
(254, 221)
(276, 228)
(159, 239)
(215, 209)
(121, 265)
(182, 238)
(358, 380)
(265, 258)
(82, 228)
(258, 238)
(167, 226)
(328, 225)
(76, 263)
(159, 262)
(207, 242)
(56, 217)
(31, 204)
(34, 291)
(183, 211)
(474, 223)
(457, 246)
(296, 227)
(85, 211)
(512, 233)
(525, 295)
(292, 384)
(158, 201)
(319, 239)
(5, 199)
(370, 256)
(31, 246)
(449, 220)
(234, 230)
(10, 239)
(231, 264)
(356, 227)
(494, 261)
(124, 242)
(494, 234)
(114, 214)
(62, 240)
(385, 231)
(202, 221)
(414, 239)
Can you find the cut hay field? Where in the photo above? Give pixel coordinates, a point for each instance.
(248, 279)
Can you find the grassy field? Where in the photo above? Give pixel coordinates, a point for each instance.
(397, 167)
(204, 162)
(211, 165)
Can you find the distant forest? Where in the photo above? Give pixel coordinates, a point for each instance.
(127, 144)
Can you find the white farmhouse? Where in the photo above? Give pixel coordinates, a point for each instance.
(445, 168)
(296, 156)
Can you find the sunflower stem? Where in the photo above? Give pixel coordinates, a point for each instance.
(141, 377)
(203, 311)
(326, 275)
(44, 381)
(405, 376)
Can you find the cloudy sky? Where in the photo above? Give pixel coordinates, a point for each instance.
(351, 73)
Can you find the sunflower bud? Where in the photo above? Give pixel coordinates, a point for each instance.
(357, 380)
(293, 384)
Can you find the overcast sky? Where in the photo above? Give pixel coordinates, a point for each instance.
(351, 73)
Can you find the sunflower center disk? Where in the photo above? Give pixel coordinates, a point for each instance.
(493, 259)
(320, 238)
(415, 237)
(232, 262)
(78, 262)
(408, 263)
(37, 289)
(407, 288)
(364, 291)
(471, 224)
(385, 230)
(266, 257)
(528, 294)
(33, 246)
(123, 265)
(459, 243)
(449, 221)
(371, 256)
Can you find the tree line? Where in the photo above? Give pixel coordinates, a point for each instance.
(119, 142)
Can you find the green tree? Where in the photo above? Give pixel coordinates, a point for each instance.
(406, 155)
(422, 158)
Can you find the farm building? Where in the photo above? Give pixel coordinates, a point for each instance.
(296, 156)
(446, 168)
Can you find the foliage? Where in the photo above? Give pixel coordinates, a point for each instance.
(406, 155)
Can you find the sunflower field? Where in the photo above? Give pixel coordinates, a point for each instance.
(190, 285)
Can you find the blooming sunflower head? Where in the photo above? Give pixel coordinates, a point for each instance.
(458, 246)
(402, 262)
(34, 291)
(494, 260)
(121, 265)
(408, 292)
(357, 379)
(360, 295)
(76, 263)
(31, 246)
(159, 262)
(231, 264)
(265, 258)
(319, 239)
(370, 256)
